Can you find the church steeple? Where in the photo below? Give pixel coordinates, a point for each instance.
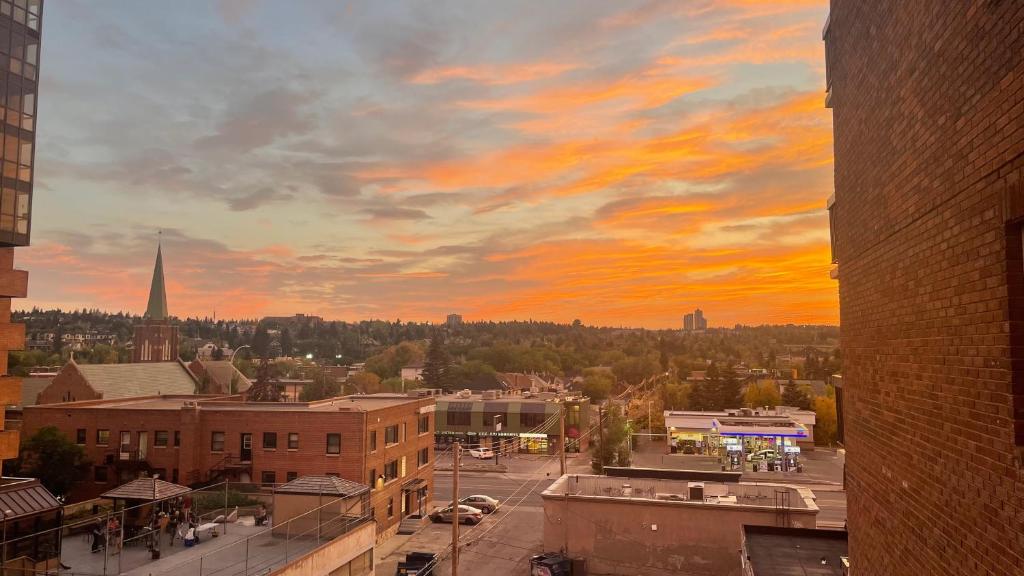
(157, 308)
(156, 339)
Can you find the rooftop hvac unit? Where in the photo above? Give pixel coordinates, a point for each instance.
(697, 491)
(627, 491)
(489, 395)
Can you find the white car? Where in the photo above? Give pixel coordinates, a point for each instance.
(762, 455)
(486, 504)
(481, 453)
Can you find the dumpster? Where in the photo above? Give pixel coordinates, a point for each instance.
(416, 564)
(550, 564)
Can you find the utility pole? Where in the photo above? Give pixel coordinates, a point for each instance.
(456, 462)
(562, 442)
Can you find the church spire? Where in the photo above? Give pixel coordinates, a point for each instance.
(157, 308)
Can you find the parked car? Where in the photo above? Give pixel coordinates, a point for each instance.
(467, 514)
(481, 453)
(486, 504)
(762, 455)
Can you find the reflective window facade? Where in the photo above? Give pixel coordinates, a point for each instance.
(20, 22)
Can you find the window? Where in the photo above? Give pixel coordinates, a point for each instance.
(391, 435)
(423, 457)
(80, 436)
(532, 419)
(391, 471)
(102, 437)
(293, 440)
(372, 479)
(270, 440)
(177, 438)
(373, 441)
(405, 432)
(572, 415)
(174, 476)
(217, 442)
(333, 474)
(391, 507)
(458, 418)
(160, 438)
(99, 474)
(289, 476)
(424, 425)
(334, 443)
(268, 478)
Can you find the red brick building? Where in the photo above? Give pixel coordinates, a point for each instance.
(928, 102)
(383, 440)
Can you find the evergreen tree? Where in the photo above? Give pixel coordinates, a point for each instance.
(705, 394)
(58, 339)
(286, 342)
(729, 390)
(437, 366)
(261, 341)
(793, 395)
(265, 389)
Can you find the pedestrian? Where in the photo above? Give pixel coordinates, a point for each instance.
(172, 524)
(97, 535)
(114, 534)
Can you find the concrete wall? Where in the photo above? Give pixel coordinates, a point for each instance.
(617, 536)
(299, 512)
(928, 109)
(335, 554)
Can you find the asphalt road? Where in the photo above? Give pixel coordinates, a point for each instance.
(525, 491)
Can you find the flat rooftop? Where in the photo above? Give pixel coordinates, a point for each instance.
(662, 490)
(539, 397)
(774, 551)
(366, 403)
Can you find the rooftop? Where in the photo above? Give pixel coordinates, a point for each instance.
(774, 551)
(146, 489)
(364, 403)
(539, 397)
(642, 490)
(323, 485)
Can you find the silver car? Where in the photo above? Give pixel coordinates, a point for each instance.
(486, 504)
(467, 515)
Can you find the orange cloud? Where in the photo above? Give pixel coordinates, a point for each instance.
(493, 75)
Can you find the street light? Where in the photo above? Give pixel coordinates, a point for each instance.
(232, 359)
(3, 551)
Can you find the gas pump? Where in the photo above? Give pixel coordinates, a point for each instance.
(792, 458)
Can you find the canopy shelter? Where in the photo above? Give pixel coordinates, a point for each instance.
(146, 490)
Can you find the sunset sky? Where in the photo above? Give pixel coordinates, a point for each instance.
(618, 162)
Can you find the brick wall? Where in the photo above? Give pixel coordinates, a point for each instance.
(928, 103)
(68, 386)
(196, 427)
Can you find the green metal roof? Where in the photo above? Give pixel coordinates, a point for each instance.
(157, 308)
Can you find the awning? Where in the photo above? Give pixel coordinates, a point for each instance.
(27, 499)
(414, 484)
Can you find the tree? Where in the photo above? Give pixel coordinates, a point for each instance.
(58, 339)
(217, 354)
(597, 384)
(365, 382)
(763, 393)
(729, 392)
(53, 458)
(825, 426)
(674, 396)
(265, 389)
(706, 394)
(320, 388)
(469, 371)
(437, 366)
(261, 341)
(611, 448)
(635, 370)
(396, 384)
(286, 342)
(794, 395)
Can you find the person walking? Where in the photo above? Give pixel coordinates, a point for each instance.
(97, 535)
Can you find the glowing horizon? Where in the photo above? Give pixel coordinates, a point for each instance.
(622, 163)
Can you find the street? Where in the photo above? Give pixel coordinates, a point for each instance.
(504, 542)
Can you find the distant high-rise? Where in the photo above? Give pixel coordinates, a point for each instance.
(156, 340)
(20, 24)
(695, 321)
(928, 217)
(454, 320)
